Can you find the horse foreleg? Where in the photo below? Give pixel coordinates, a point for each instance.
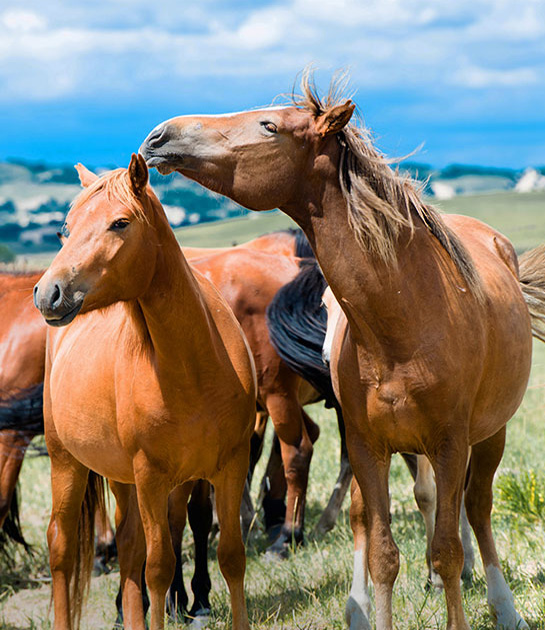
(229, 485)
(273, 491)
(152, 490)
(200, 521)
(331, 513)
(132, 554)
(68, 485)
(485, 458)
(177, 516)
(371, 465)
(296, 448)
(358, 605)
(447, 554)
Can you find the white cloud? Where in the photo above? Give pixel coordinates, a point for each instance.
(61, 49)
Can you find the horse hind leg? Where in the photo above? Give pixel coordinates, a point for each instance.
(200, 521)
(331, 513)
(485, 458)
(296, 447)
(177, 515)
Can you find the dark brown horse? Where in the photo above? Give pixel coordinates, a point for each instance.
(437, 351)
(127, 393)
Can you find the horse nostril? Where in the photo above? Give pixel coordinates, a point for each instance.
(56, 296)
(157, 138)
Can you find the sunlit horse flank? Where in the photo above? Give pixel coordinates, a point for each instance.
(128, 387)
(437, 352)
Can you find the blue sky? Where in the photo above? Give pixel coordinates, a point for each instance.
(86, 81)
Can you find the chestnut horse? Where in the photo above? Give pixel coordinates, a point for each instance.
(22, 349)
(127, 393)
(437, 352)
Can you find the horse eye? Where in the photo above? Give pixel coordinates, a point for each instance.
(270, 127)
(119, 224)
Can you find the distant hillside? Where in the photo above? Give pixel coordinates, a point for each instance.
(35, 196)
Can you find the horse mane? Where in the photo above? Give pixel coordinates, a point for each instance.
(116, 185)
(380, 201)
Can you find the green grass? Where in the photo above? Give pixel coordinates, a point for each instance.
(308, 590)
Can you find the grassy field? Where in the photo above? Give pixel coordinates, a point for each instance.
(308, 590)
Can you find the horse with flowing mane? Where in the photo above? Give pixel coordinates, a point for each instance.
(437, 351)
(127, 394)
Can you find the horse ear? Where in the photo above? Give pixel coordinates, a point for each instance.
(138, 173)
(335, 119)
(86, 177)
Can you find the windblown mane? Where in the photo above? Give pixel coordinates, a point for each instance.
(117, 186)
(380, 201)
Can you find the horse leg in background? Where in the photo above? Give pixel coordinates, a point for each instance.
(105, 545)
(447, 555)
(485, 458)
(200, 521)
(247, 510)
(131, 601)
(358, 605)
(425, 495)
(177, 515)
(296, 448)
(426, 499)
(273, 491)
(331, 513)
(256, 442)
(153, 490)
(229, 486)
(13, 445)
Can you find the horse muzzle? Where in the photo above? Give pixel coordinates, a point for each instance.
(58, 305)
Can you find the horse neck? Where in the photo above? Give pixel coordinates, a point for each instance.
(176, 316)
(382, 301)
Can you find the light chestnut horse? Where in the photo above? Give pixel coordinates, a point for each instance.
(437, 351)
(127, 393)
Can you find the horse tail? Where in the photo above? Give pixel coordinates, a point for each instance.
(532, 282)
(302, 246)
(11, 529)
(94, 504)
(23, 411)
(297, 323)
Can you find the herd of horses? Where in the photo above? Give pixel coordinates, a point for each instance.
(429, 335)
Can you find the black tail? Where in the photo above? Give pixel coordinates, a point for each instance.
(11, 530)
(302, 246)
(297, 322)
(23, 411)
